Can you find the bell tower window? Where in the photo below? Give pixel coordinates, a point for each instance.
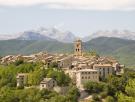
(78, 48)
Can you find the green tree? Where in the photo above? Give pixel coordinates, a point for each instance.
(94, 86)
(103, 94)
(109, 99)
(7, 95)
(72, 95)
(34, 78)
(130, 88)
(61, 78)
(95, 97)
(124, 98)
(18, 62)
(53, 65)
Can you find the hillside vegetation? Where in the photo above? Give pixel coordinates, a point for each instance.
(33, 46)
(123, 50)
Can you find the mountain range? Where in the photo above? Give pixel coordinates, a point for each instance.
(65, 36)
(125, 34)
(42, 34)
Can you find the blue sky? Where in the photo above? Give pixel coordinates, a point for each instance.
(81, 19)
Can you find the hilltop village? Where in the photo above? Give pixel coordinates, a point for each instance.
(80, 67)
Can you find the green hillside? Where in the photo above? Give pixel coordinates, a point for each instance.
(12, 46)
(104, 45)
(49, 46)
(123, 50)
(126, 54)
(8, 47)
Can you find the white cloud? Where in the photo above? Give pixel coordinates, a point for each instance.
(75, 4)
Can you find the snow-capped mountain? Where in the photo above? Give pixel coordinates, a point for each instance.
(31, 35)
(65, 36)
(8, 37)
(125, 34)
(47, 34)
(54, 33)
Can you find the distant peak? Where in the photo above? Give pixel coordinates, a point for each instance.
(42, 29)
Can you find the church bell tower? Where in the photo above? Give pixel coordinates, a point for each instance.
(78, 47)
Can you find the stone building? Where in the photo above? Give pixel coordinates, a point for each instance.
(78, 48)
(104, 70)
(65, 62)
(22, 79)
(48, 83)
(86, 75)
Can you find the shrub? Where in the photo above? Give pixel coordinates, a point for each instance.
(20, 87)
(18, 62)
(95, 97)
(103, 94)
(94, 87)
(109, 99)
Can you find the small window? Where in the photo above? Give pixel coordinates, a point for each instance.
(108, 70)
(82, 77)
(99, 72)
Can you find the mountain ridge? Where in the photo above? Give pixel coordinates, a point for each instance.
(31, 35)
(124, 34)
(66, 36)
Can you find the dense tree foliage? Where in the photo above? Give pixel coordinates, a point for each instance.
(129, 95)
(130, 88)
(94, 87)
(35, 95)
(18, 62)
(95, 98)
(59, 76)
(36, 73)
(8, 73)
(73, 94)
(109, 99)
